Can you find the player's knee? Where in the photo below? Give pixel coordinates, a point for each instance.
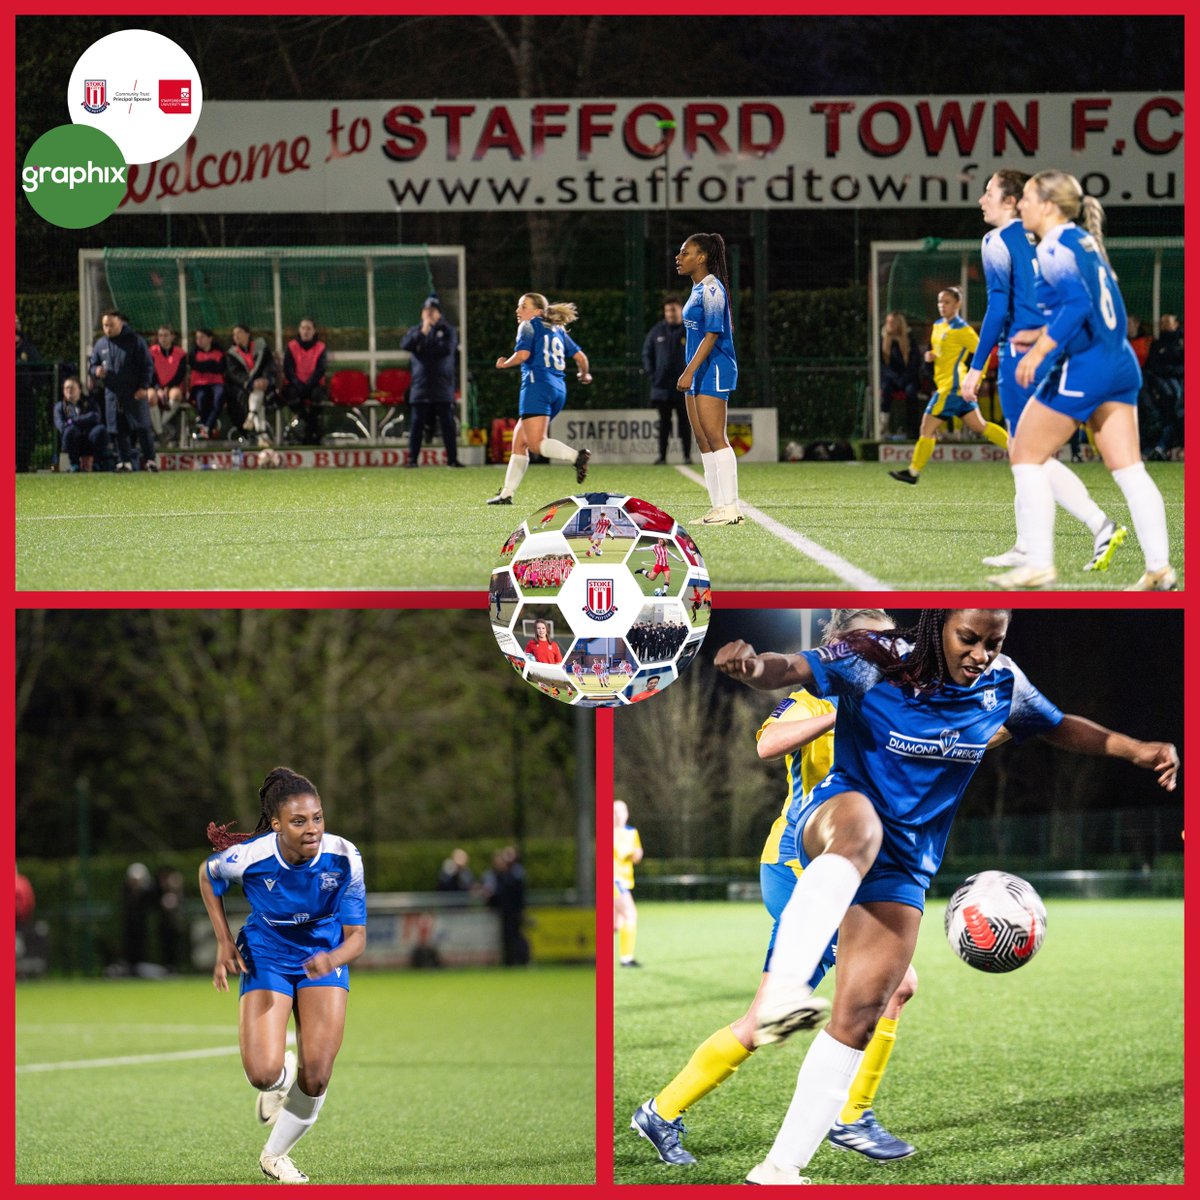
(907, 989)
(314, 1077)
(265, 1076)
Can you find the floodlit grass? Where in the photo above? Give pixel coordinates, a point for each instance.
(444, 1077)
(1067, 1071)
(382, 528)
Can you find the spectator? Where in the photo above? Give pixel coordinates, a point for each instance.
(1139, 339)
(172, 929)
(900, 369)
(121, 361)
(25, 399)
(1164, 379)
(138, 895)
(663, 359)
(169, 384)
(304, 391)
(455, 874)
(26, 901)
(433, 345)
(251, 376)
(504, 886)
(207, 365)
(82, 434)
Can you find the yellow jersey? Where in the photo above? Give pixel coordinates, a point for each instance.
(626, 843)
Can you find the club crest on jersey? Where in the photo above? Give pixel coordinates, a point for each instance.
(95, 95)
(599, 604)
(329, 880)
(989, 698)
(948, 739)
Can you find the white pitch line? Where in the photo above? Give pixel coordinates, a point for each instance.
(134, 1060)
(844, 570)
(126, 1060)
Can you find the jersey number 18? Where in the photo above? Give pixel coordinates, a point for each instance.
(554, 352)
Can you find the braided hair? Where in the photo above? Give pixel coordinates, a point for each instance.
(712, 246)
(280, 785)
(924, 668)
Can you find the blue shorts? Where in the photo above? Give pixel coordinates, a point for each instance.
(717, 376)
(889, 878)
(264, 973)
(950, 405)
(1079, 385)
(542, 399)
(777, 882)
(1013, 397)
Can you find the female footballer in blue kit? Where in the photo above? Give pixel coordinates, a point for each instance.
(799, 730)
(1009, 267)
(542, 349)
(307, 924)
(711, 372)
(1093, 376)
(915, 715)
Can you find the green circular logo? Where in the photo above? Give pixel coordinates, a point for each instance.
(74, 176)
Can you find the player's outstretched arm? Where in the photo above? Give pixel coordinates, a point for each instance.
(1086, 737)
(787, 737)
(763, 672)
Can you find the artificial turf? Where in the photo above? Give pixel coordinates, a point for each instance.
(1067, 1071)
(466, 1077)
(381, 528)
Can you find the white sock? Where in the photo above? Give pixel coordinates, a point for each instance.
(1035, 513)
(296, 1117)
(725, 461)
(518, 464)
(810, 919)
(1018, 545)
(557, 451)
(1149, 515)
(156, 418)
(709, 461)
(1071, 493)
(822, 1087)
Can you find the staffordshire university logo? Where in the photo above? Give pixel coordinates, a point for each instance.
(175, 95)
(94, 95)
(600, 604)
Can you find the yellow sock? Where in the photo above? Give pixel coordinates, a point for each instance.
(922, 452)
(870, 1071)
(996, 434)
(627, 940)
(712, 1063)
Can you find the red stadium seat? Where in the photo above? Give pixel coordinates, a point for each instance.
(349, 390)
(391, 386)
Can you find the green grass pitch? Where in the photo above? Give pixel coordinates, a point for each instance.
(1067, 1071)
(464, 1077)
(379, 528)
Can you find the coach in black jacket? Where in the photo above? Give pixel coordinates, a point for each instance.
(664, 359)
(433, 345)
(121, 361)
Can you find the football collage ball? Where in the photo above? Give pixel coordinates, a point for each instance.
(995, 922)
(600, 599)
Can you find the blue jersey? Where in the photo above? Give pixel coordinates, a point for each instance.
(705, 311)
(913, 753)
(1009, 255)
(549, 346)
(297, 910)
(1085, 314)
